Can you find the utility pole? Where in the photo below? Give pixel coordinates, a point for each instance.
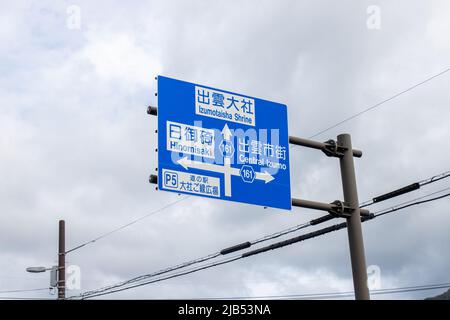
(354, 229)
(62, 261)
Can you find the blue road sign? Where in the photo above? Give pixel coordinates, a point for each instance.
(219, 144)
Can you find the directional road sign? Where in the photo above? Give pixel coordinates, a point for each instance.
(219, 144)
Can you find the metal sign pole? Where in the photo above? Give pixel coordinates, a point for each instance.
(354, 229)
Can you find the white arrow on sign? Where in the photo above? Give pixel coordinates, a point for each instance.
(186, 163)
(226, 132)
(267, 177)
(226, 170)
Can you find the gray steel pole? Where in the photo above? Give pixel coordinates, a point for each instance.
(62, 261)
(355, 237)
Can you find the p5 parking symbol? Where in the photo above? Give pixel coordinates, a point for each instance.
(170, 179)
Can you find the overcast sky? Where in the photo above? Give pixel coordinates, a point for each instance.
(76, 142)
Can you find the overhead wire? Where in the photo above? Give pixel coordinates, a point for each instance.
(181, 273)
(219, 253)
(380, 103)
(343, 294)
(22, 298)
(396, 208)
(117, 288)
(406, 189)
(335, 227)
(22, 290)
(125, 225)
(435, 178)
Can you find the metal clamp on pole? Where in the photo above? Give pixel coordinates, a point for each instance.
(332, 149)
(153, 179)
(339, 210)
(152, 111)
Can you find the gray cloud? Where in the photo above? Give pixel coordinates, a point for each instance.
(77, 144)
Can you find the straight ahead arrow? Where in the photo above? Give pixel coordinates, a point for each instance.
(226, 133)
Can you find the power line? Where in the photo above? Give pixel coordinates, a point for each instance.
(409, 188)
(283, 232)
(435, 178)
(329, 229)
(225, 251)
(160, 272)
(22, 298)
(117, 288)
(330, 295)
(126, 225)
(22, 290)
(417, 199)
(182, 273)
(244, 255)
(379, 292)
(332, 228)
(382, 213)
(380, 103)
(244, 245)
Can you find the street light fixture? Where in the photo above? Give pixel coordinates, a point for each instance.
(53, 275)
(37, 269)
